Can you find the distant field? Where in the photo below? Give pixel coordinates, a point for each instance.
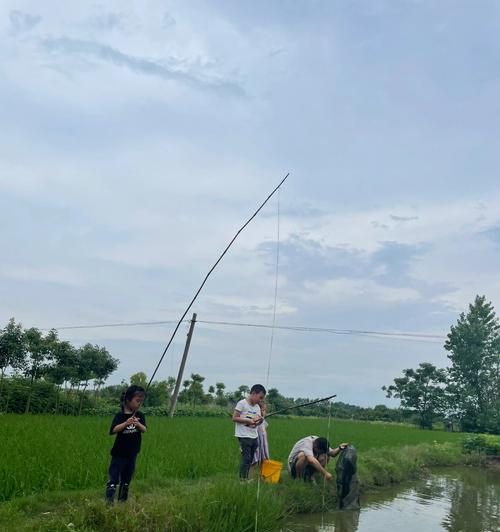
(50, 453)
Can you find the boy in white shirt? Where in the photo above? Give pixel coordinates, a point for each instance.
(247, 416)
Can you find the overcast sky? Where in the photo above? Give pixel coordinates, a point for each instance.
(136, 137)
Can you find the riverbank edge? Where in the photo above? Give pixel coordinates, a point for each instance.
(219, 503)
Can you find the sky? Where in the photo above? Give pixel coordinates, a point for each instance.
(137, 137)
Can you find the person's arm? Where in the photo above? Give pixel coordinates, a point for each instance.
(122, 426)
(315, 463)
(334, 452)
(141, 426)
(243, 420)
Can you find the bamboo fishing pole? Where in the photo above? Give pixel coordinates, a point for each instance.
(208, 275)
(300, 406)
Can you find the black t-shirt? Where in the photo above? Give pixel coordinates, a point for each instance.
(128, 441)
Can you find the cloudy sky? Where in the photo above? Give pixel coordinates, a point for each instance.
(136, 137)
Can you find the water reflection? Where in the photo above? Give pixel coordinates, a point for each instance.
(453, 500)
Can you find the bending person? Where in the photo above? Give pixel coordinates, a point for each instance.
(310, 455)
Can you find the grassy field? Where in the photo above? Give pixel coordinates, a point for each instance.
(43, 454)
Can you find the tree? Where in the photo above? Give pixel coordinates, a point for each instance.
(64, 365)
(474, 350)
(422, 390)
(241, 392)
(105, 365)
(39, 350)
(220, 398)
(12, 348)
(195, 390)
(139, 379)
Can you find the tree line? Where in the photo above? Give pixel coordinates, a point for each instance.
(36, 359)
(468, 391)
(217, 399)
(50, 375)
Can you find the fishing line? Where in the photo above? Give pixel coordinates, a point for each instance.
(324, 479)
(276, 273)
(208, 275)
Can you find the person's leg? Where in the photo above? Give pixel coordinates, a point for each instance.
(299, 466)
(310, 472)
(255, 458)
(126, 478)
(113, 478)
(247, 448)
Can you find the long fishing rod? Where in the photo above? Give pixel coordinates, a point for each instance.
(299, 406)
(208, 275)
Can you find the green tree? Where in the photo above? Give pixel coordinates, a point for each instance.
(104, 366)
(421, 390)
(39, 350)
(62, 370)
(474, 351)
(139, 379)
(220, 398)
(12, 348)
(196, 393)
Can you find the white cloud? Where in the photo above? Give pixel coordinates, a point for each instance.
(354, 293)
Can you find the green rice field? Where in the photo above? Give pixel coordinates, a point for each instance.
(42, 454)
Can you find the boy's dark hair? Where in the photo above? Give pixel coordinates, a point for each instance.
(129, 394)
(258, 388)
(322, 445)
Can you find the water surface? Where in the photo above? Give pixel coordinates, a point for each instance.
(452, 499)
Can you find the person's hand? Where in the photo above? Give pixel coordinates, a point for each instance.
(342, 446)
(130, 420)
(328, 476)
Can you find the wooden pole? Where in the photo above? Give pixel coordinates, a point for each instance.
(181, 367)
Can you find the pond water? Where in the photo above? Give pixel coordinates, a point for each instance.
(452, 499)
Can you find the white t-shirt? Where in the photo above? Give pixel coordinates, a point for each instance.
(246, 411)
(304, 445)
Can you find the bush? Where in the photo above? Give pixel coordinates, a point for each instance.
(482, 443)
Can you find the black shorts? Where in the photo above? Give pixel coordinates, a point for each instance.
(307, 474)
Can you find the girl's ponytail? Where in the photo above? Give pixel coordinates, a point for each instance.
(122, 401)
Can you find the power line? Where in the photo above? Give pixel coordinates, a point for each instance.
(103, 325)
(297, 328)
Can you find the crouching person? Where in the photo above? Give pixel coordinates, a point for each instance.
(310, 456)
(127, 425)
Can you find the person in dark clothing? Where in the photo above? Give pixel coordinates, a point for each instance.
(128, 425)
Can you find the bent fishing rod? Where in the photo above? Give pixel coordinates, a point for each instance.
(208, 275)
(299, 406)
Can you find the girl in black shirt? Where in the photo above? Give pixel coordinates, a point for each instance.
(128, 425)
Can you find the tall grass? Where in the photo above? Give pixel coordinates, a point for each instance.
(218, 503)
(52, 453)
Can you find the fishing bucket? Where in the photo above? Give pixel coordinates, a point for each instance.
(270, 471)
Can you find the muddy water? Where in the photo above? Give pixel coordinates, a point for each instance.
(455, 500)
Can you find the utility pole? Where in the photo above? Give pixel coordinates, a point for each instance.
(181, 367)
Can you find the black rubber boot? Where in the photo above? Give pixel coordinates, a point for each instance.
(110, 492)
(123, 492)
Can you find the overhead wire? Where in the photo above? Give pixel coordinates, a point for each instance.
(411, 336)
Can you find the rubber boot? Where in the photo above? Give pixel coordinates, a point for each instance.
(123, 492)
(110, 492)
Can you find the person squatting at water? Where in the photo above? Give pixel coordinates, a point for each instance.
(128, 425)
(247, 416)
(310, 455)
